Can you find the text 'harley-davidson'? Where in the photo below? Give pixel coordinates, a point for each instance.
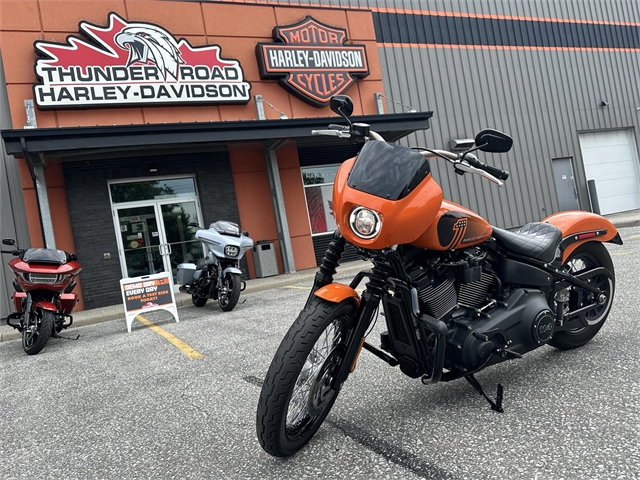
(42, 299)
(458, 294)
(217, 275)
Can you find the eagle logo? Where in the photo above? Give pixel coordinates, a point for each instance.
(150, 43)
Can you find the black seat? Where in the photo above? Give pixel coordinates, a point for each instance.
(535, 240)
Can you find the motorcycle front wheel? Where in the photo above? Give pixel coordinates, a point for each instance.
(229, 294)
(296, 394)
(36, 333)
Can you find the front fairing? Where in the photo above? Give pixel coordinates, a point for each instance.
(403, 220)
(215, 242)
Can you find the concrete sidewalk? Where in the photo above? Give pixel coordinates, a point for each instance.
(96, 315)
(114, 312)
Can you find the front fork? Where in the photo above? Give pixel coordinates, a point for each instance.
(366, 310)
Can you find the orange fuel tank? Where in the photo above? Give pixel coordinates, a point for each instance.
(455, 227)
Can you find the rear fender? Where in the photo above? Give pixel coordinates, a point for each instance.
(579, 227)
(42, 305)
(337, 292)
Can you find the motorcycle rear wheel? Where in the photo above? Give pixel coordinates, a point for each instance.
(34, 341)
(296, 396)
(229, 294)
(586, 256)
(198, 301)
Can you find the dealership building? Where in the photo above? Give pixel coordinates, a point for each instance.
(124, 120)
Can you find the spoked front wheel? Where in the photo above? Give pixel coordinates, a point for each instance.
(229, 294)
(297, 395)
(36, 333)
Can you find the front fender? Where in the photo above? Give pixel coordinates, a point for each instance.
(579, 227)
(231, 270)
(337, 292)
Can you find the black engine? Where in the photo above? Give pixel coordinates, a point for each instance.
(486, 322)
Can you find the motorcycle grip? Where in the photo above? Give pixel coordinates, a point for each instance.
(496, 172)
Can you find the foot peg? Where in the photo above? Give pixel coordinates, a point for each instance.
(495, 406)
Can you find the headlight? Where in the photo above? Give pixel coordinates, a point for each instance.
(231, 251)
(365, 223)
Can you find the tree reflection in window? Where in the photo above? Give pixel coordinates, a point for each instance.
(152, 190)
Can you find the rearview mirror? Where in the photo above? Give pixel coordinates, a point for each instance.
(342, 105)
(493, 141)
(8, 241)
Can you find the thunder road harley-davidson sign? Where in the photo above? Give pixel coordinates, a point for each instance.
(134, 63)
(312, 61)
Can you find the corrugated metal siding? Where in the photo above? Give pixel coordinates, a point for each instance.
(543, 98)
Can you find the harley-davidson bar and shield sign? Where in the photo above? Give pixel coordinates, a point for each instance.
(312, 61)
(134, 63)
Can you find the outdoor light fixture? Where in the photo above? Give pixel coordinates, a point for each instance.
(604, 103)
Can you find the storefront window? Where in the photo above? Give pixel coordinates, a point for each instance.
(318, 188)
(152, 190)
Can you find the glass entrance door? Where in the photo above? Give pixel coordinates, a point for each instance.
(152, 220)
(141, 240)
(181, 245)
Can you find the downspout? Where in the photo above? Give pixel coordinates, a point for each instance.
(42, 199)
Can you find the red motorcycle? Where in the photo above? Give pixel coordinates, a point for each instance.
(43, 300)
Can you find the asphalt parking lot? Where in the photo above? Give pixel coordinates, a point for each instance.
(114, 404)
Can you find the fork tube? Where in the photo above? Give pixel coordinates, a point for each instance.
(329, 263)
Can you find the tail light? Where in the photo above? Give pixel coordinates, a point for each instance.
(48, 278)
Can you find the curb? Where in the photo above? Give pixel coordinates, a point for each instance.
(116, 312)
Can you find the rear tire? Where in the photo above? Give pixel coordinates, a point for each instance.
(229, 296)
(33, 342)
(586, 256)
(295, 397)
(198, 301)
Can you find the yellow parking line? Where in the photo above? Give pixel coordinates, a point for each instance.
(634, 236)
(183, 347)
(620, 253)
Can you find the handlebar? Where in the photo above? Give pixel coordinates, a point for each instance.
(496, 172)
(463, 163)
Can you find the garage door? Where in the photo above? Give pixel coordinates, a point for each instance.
(611, 159)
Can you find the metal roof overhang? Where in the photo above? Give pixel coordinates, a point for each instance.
(71, 143)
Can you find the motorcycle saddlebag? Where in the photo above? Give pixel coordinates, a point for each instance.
(185, 273)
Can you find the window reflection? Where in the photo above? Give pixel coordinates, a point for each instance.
(152, 190)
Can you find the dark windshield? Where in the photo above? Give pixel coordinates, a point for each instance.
(44, 255)
(387, 170)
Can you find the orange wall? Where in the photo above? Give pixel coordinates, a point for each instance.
(237, 28)
(255, 206)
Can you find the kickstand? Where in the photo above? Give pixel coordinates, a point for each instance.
(495, 406)
(66, 338)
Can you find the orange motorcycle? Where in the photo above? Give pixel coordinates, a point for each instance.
(458, 294)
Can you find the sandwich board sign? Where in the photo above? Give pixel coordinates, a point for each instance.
(146, 294)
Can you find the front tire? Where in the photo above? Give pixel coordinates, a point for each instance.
(296, 396)
(229, 294)
(34, 340)
(587, 256)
